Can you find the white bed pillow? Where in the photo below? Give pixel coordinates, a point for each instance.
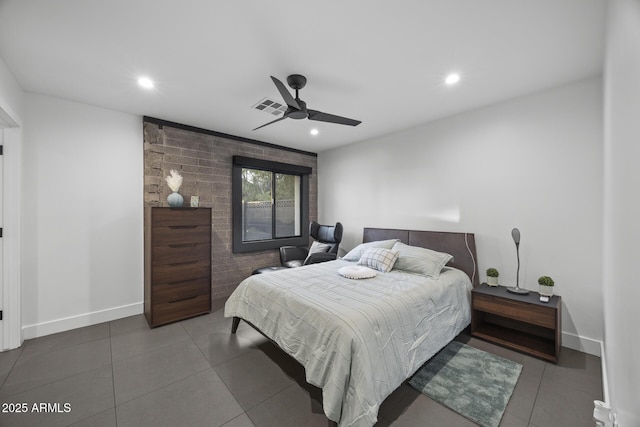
(356, 253)
(380, 259)
(357, 272)
(422, 261)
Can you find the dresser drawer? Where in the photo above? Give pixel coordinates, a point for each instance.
(172, 254)
(181, 216)
(171, 273)
(172, 311)
(178, 291)
(529, 313)
(180, 234)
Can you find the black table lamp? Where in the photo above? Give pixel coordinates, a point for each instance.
(515, 233)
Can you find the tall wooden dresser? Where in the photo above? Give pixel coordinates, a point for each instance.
(177, 263)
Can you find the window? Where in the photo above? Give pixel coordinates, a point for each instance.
(270, 204)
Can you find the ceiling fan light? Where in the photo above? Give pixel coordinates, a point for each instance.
(314, 131)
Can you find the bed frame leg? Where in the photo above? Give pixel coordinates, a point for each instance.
(234, 325)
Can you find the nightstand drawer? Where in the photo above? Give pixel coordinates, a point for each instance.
(529, 313)
(517, 321)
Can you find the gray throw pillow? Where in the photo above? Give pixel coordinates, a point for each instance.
(317, 247)
(356, 253)
(420, 260)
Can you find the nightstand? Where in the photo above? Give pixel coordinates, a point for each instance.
(518, 322)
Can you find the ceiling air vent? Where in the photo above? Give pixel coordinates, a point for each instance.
(270, 106)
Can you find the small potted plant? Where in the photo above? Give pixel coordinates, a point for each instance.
(546, 286)
(492, 276)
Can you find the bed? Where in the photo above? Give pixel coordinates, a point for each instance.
(358, 340)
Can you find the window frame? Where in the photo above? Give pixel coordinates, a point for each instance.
(240, 162)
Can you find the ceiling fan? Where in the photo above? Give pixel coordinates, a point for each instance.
(297, 108)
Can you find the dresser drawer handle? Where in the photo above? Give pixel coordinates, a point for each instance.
(184, 263)
(183, 299)
(184, 245)
(182, 226)
(177, 282)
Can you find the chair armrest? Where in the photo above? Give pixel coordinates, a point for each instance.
(319, 257)
(290, 253)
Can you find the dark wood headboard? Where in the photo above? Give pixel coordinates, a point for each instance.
(461, 245)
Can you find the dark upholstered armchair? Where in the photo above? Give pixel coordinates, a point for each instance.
(324, 248)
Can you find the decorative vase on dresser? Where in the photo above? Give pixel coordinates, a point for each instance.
(177, 264)
(175, 200)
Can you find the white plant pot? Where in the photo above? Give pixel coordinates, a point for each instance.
(492, 281)
(545, 290)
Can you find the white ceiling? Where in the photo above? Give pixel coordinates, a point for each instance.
(381, 62)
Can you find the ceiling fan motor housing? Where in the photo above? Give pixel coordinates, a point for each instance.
(296, 81)
(292, 113)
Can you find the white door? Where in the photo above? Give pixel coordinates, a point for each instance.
(2, 343)
(10, 140)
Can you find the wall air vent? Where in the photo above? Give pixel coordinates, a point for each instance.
(270, 106)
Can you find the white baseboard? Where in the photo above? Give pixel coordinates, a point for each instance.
(575, 342)
(583, 344)
(81, 320)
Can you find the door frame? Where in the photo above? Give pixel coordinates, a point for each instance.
(11, 324)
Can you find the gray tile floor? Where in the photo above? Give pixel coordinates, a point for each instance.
(195, 373)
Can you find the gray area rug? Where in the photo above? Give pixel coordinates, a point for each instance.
(472, 382)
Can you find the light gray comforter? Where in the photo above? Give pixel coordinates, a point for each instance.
(357, 339)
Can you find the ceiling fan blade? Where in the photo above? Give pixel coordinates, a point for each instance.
(288, 98)
(325, 117)
(273, 121)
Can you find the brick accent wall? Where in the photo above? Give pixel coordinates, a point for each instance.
(205, 163)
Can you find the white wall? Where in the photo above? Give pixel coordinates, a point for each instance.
(622, 209)
(532, 163)
(82, 215)
(11, 94)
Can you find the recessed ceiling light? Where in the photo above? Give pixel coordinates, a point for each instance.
(452, 79)
(314, 132)
(145, 82)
